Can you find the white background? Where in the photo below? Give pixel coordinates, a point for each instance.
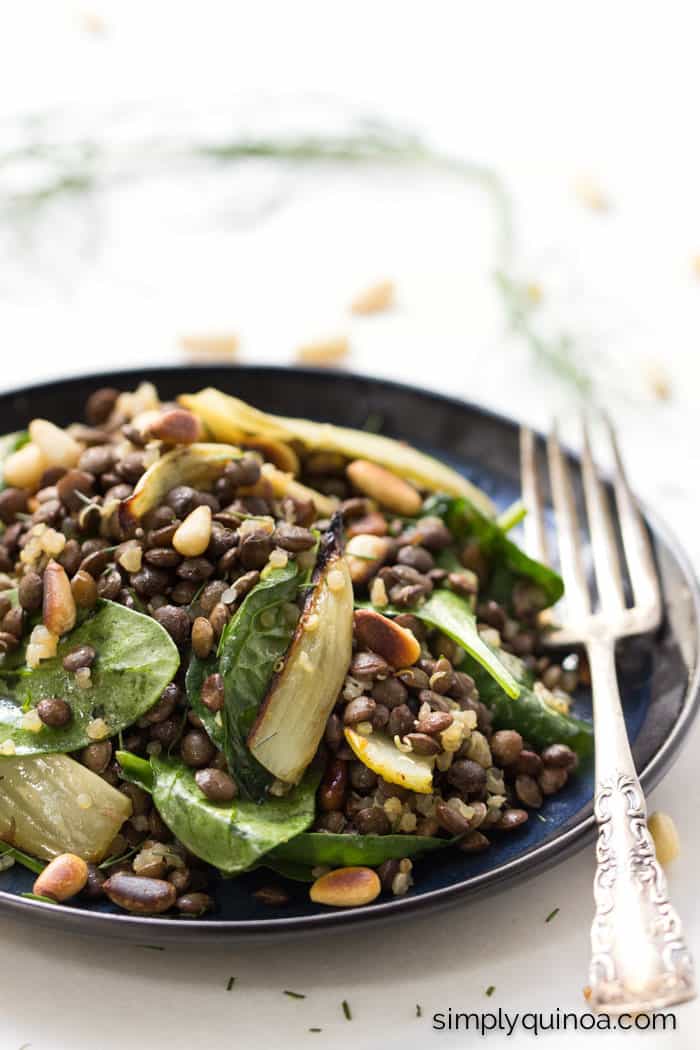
(546, 95)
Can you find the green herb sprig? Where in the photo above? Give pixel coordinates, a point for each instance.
(77, 171)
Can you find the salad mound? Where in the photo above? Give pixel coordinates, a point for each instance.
(231, 640)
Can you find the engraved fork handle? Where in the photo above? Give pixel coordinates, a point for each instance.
(640, 961)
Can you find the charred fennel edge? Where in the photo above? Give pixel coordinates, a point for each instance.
(331, 548)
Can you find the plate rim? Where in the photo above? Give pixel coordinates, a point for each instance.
(525, 866)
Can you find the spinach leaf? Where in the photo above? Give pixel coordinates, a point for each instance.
(508, 564)
(452, 615)
(233, 835)
(287, 869)
(312, 848)
(9, 443)
(256, 637)
(530, 715)
(136, 659)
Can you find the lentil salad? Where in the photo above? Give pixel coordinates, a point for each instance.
(234, 640)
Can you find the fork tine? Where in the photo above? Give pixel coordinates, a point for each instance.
(535, 535)
(605, 556)
(577, 597)
(635, 539)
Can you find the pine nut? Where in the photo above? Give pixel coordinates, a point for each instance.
(193, 536)
(370, 553)
(665, 835)
(346, 888)
(386, 488)
(58, 604)
(23, 469)
(397, 645)
(65, 876)
(374, 299)
(324, 351)
(58, 448)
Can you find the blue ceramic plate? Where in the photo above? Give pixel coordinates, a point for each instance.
(659, 676)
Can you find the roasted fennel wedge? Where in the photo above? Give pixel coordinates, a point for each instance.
(230, 419)
(300, 697)
(50, 804)
(197, 465)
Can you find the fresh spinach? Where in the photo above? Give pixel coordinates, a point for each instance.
(508, 564)
(9, 443)
(287, 869)
(318, 847)
(530, 715)
(452, 615)
(256, 637)
(136, 659)
(233, 835)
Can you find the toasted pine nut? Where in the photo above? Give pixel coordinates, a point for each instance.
(365, 555)
(192, 537)
(62, 878)
(396, 644)
(58, 448)
(591, 195)
(58, 612)
(374, 299)
(383, 486)
(346, 888)
(665, 835)
(23, 469)
(210, 345)
(323, 351)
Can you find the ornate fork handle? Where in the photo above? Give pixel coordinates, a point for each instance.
(640, 960)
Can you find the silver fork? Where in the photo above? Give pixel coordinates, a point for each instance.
(640, 961)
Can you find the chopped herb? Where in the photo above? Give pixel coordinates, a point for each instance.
(230, 983)
(346, 1010)
(374, 423)
(551, 915)
(22, 858)
(490, 990)
(38, 897)
(86, 499)
(114, 859)
(294, 995)
(540, 817)
(419, 1010)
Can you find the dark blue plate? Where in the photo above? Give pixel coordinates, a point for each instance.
(660, 678)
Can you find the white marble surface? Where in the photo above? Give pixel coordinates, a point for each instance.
(547, 95)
